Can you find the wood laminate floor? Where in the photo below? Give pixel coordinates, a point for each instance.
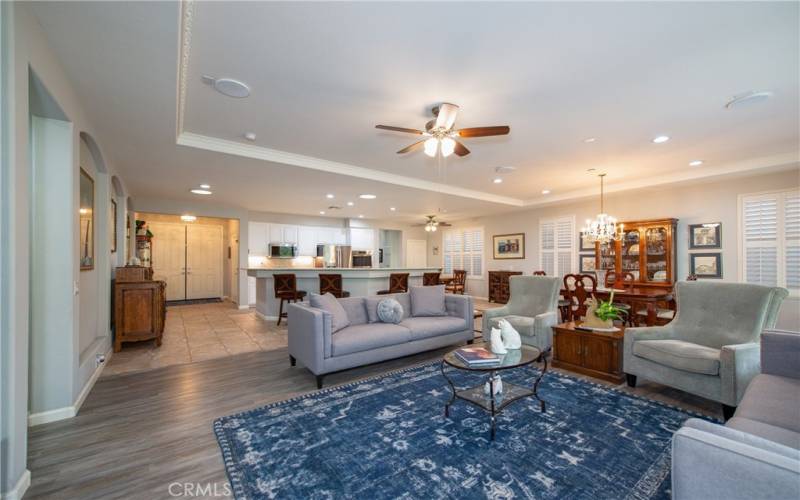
(146, 435)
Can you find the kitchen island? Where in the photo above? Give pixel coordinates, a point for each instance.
(360, 282)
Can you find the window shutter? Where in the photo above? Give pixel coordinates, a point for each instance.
(791, 234)
(463, 249)
(557, 245)
(565, 241)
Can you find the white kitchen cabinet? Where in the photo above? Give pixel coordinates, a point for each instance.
(339, 237)
(306, 241)
(362, 238)
(276, 233)
(324, 235)
(290, 234)
(258, 238)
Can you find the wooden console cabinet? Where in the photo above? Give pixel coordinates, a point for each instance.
(139, 311)
(597, 354)
(499, 290)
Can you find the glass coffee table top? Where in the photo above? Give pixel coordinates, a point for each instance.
(512, 359)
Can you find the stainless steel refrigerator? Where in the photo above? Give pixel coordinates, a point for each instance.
(335, 255)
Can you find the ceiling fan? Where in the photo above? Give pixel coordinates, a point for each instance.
(440, 135)
(432, 224)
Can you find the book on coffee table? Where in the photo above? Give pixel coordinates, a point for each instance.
(477, 356)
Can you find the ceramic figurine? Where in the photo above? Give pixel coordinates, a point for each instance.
(496, 342)
(511, 338)
(497, 385)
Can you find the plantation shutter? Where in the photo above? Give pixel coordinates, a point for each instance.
(565, 243)
(463, 249)
(557, 245)
(791, 235)
(547, 246)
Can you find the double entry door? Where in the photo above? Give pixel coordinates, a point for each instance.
(189, 258)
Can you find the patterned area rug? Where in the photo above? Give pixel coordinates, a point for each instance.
(387, 437)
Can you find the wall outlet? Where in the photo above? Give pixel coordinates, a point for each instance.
(99, 359)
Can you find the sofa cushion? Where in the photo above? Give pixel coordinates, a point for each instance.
(433, 326)
(427, 301)
(355, 309)
(680, 355)
(772, 400)
(390, 311)
(522, 324)
(779, 435)
(358, 338)
(372, 305)
(329, 304)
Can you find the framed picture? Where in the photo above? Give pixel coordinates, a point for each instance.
(509, 246)
(706, 265)
(584, 244)
(705, 235)
(113, 216)
(86, 221)
(587, 263)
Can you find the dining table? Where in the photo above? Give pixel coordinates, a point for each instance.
(636, 296)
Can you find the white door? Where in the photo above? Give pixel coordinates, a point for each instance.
(169, 257)
(203, 261)
(416, 253)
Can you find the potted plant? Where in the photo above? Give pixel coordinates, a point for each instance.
(601, 314)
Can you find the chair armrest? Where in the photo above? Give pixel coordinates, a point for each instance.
(712, 461)
(309, 336)
(780, 353)
(543, 327)
(738, 364)
(460, 306)
(493, 313)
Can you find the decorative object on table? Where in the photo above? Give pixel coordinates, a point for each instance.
(496, 341)
(585, 243)
(706, 265)
(86, 221)
(496, 387)
(511, 338)
(477, 356)
(113, 216)
(601, 314)
(603, 228)
(509, 246)
(390, 311)
(588, 263)
(708, 235)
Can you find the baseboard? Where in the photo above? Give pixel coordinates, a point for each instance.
(244, 306)
(19, 489)
(266, 318)
(48, 416)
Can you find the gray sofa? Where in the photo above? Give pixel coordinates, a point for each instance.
(711, 347)
(363, 342)
(756, 454)
(532, 310)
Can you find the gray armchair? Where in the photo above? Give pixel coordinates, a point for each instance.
(532, 310)
(711, 347)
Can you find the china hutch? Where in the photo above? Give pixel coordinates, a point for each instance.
(647, 250)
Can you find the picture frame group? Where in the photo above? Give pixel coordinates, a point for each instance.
(705, 236)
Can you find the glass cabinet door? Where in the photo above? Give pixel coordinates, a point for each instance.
(630, 252)
(607, 256)
(656, 258)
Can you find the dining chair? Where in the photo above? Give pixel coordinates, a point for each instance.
(430, 279)
(398, 283)
(332, 283)
(286, 290)
(459, 282)
(665, 311)
(539, 273)
(579, 288)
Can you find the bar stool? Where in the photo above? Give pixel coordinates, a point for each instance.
(398, 283)
(430, 279)
(286, 290)
(332, 283)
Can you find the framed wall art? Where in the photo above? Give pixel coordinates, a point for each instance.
(706, 265)
(509, 246)
(707, 235)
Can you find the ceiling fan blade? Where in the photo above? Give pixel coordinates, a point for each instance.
(412, 147)
(445, 224)
(484, 131)
(400, 129)
(461, 150)
(446, 116)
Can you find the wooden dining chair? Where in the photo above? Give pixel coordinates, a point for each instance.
(286, 290)
(665, 311)
(332, 283)
(579, 288)
(398, 283)
(459, 282)
(539, 273)
(430, 279)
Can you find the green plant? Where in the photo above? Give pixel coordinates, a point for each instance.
(606, 310)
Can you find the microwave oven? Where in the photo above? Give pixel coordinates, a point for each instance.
(282, 251)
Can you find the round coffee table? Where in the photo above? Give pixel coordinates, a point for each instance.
(494, 404)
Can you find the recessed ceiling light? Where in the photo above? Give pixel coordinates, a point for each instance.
(751, 97)
(350, 203)
(695, 163)
(231, 87)
(590, 139)
(392, 209)
(329, 196)
(367, 196)
(205, 186)
(200, 191)
(188, 218)
(250, 136)
(497, 180)
(360, 216)
(661, 139)
(322, 212)
(545, 191)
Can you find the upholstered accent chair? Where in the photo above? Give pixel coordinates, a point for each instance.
(711, 348)
(532, 309)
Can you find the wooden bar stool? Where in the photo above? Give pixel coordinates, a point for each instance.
(430, 279)
(286, 290)
(332, 283)
(398, 283)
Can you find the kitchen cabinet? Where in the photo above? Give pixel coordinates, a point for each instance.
(290, 234)
(251, 291)
(307, 239)
(362, 238)
(324, 235)
(258, 238)
(283, 233)
(275, 233)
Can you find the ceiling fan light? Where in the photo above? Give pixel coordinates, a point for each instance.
(448, 146)
(431, 145)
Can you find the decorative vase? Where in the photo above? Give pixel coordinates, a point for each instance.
(496, 342)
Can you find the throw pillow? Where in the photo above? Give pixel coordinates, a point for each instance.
(371, 304)
(329, 304)
(428, 301)
(390, 311)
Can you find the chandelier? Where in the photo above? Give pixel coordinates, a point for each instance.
(430, 226)
(603, 228)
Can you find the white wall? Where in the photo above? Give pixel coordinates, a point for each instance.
(690, 203)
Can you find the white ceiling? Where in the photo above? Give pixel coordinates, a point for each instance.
(323, 74)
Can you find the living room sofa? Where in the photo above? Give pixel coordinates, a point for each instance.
(367, 340)
(756, 454)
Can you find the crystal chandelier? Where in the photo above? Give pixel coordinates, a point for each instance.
(603, 228)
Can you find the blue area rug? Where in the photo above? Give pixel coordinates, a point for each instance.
(387, 437)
